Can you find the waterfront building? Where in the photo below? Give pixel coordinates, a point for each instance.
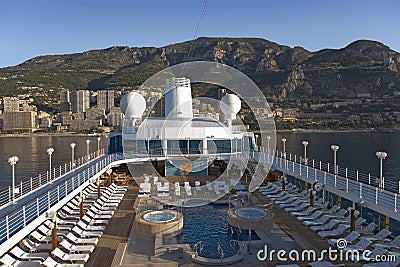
(105, 100)
(65, 101)
(21, 120)
(80, 101)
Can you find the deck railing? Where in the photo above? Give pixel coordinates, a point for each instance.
(383, 197)
(29, 186)
(18, 218)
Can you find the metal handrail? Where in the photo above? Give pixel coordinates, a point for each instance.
(220, 251)
(198, 247)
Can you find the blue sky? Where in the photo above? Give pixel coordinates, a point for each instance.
(30, 28)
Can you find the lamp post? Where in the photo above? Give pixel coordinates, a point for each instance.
(268, 139)
(88, 149)
(284, 147)
(98, 145)
(353, 215)
(381, 156)
(305, 144)
(312, 194)
(73, 145)
(50, 152)
(53, 226)
(284, 173)
(13, 160)
(335, 148)
(80, 201)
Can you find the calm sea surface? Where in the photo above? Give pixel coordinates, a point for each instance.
(33, 158)
(357, 151)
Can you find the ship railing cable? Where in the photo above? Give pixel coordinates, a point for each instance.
(189, 54)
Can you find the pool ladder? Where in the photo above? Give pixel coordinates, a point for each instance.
(220, 251)
(198, 247)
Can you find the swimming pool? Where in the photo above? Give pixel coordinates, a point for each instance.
(159, 216)
(250, 213)
(209, 224)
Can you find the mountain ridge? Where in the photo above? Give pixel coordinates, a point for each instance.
(281, 71)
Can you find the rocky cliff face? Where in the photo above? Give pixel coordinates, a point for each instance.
(362, 66)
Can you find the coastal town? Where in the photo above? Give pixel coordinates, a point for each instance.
(85, 111)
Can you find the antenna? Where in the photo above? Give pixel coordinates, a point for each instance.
(194, 36)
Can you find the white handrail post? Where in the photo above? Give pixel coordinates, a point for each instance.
(7, 228)
(347, 185)
(313, 161)
(24, 215)
(376, 196)
(335, 180)
(369, 179)
(395, 202)
(360, 189)
(328, 167)
(31, 184)
(37, 207)
(48, 199)
(357, 175)
(347, 169)
(320, 165)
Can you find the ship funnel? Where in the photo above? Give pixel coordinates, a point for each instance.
(230, 105)
(178, 98)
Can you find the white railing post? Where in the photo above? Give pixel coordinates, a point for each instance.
(300, 168)
(295, 158)
(320, 165)
(315, 174)
(369, 179)
(395, 202)
(328, 167)
(37, 207)
(48, 199)
(21, 192)
(24, 215)
(31, 184)
(335, 180)
(313, 161)
(307, 170)
(347, 169)
(9, 193)
(347, 185)
(360, 189)
(357, 175)
(66, 188)
(376, 196)
(293, 165)
(7, 228)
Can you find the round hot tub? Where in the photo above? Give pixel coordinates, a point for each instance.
(153, 222)
(250, 218)
(250, 213)
(159, 216)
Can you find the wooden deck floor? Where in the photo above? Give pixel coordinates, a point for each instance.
(116, 232)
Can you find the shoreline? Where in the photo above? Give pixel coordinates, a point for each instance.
(51, 134)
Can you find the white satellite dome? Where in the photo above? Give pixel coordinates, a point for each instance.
(133, 105)
(230, 106)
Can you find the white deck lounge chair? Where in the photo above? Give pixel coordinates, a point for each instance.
(22, 255)
(395, 243)
(350, 238)
(324, 227)
(325, 264)
(84, 234)
(382, 235)
(69, 257)
(81, 241)
(76, 248)
(197, 185)
(188, 188)
(36, 247)
(87, 227)
(49, 262)
(336, 232)
(360, 245)
(11, 262)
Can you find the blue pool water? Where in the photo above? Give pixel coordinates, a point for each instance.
(159, 216)
(209, 224)
(249, 213)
